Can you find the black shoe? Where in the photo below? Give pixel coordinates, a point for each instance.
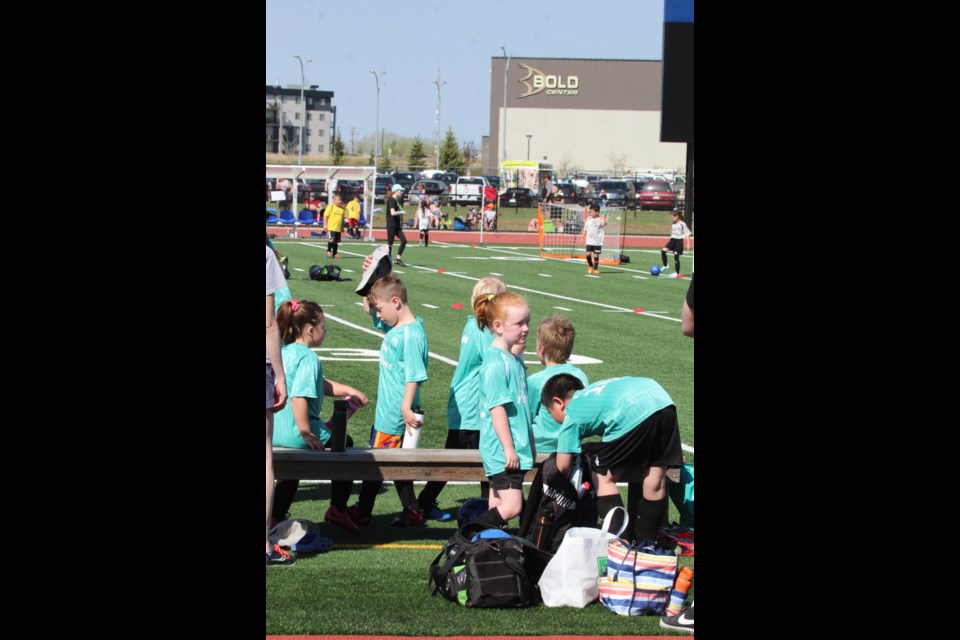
(683, 621)
(399, 261)
(279, 557)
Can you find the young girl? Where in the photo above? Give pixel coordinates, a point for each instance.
(506, 434)
(592, 237)
(678, 231)
(463, 404)
(299, 425)
(423, 220)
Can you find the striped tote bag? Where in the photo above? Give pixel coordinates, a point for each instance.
(639, 578)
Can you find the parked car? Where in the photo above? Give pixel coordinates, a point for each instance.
(519, 197)
(447, 178)
(619, 192)
(406, 179)
(494, 181)
(432, 188)
(569, 191)
(383, 186)
(657, 194)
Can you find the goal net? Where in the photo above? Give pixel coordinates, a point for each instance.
(561, 229)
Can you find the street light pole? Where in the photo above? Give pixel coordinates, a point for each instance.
(303, 105)
(376, 153)
(506, 73)
(529, 135)
(436, 145)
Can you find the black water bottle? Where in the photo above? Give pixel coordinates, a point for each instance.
(338, 440)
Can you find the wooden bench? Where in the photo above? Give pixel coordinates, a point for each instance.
(396, 464)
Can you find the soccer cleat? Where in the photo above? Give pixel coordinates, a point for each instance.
(589, 270)
(279, 557)
(341, 518)
(408, 517)
(662, 269)
(436, 514)
(683, 621)
(357, 517)
(400, 262)
(596, 271)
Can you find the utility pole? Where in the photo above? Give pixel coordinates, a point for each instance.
(436, 144)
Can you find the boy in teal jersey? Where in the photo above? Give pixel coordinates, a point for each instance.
(463, 404)
(403, 366)
(637, 422)
(555, 337)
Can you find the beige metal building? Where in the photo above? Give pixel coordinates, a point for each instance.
(602, 116)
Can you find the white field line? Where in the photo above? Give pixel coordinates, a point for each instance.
(641, 278)
(430, 306)
(494, 273)
(545, 275)
(563, 309)
(590, 276)
(380, 335)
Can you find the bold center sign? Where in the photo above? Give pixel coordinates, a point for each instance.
(554, 85)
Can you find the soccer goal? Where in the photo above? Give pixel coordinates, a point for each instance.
(561, 230)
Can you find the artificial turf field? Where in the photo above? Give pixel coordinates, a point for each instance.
(375, 582)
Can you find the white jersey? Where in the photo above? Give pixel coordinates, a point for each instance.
(424, 219)
(679, 230)
(594, 229)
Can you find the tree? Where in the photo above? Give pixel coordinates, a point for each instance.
(385, 163)
(417, 155)
(370, 159)
(618, 164)
(338, 150)
(450, 158)
(568, 167)
(470, 153)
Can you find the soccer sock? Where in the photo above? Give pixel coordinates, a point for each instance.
(493, 518)
(605, 504)
(649, 513)
(368, 496)
(663, 255)
(426, 238)
(676, 261)
(335, 245)
(590, 260)
(340, 493)
(405, 491)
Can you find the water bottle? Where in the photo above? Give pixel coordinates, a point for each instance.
(679, 594)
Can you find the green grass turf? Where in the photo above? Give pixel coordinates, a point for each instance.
(383, 591)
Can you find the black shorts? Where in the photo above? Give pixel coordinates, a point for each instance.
(463, 439)
(675, 245)
(594, 248)
(507, 480)
(655, 442)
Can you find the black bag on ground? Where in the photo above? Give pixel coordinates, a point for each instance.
(554, 504)
(487, 572)
(324, 273)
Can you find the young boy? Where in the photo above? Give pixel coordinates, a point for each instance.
(637, 420)
(403, 366)
(592, 237)
(333, 223)
(353, 217)
(555, 337)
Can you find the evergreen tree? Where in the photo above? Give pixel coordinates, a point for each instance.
(370, 159)
(385, 164)
(417, 156)
(338, 150)
(450, 158)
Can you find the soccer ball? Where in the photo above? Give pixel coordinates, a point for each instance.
(655, 270)
(471, 510)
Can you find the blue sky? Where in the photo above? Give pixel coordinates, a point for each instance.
(410, 39)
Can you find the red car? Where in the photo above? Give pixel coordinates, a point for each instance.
(657, 194)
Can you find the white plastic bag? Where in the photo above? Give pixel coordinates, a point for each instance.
(570, 578)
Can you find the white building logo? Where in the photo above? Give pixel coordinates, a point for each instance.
(554, 85)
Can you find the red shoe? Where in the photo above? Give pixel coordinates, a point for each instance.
(358, 519)
(408, 517)
(341, 518)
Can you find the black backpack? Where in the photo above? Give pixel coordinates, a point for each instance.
(554, 504)
(324, 273)
(488, 572)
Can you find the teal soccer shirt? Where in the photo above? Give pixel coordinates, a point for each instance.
(403, 359)
(503, 382)
(546, 430)
(612, 408)
(463, 404)
(304, 374)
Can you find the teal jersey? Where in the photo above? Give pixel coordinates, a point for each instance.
(503, 382)
(612, 408)
(463, 404)
(403, 359)
(546, 430)
(280, 296)
(304, 374)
